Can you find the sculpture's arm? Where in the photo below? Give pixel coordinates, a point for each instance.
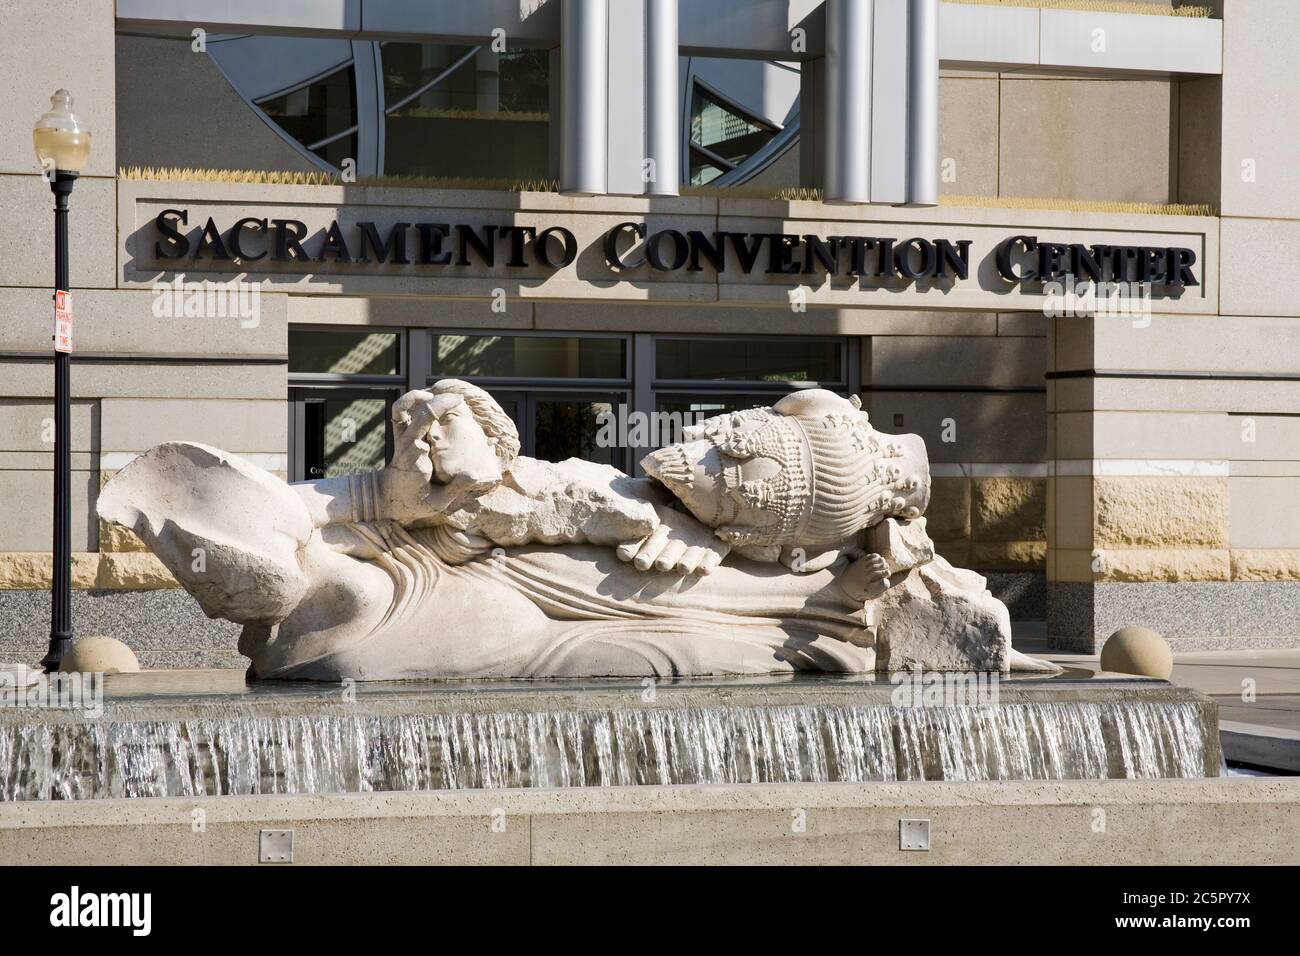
(346, 499)
(391, 493)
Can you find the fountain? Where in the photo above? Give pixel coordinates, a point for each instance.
(155, 740)
(766, 607)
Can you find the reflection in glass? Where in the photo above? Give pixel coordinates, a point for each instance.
(520, 356)
(748, 360)
(322, 115)
(344, 436)
(466, 111)
(721, 136)
(344, 353)
(566, 428)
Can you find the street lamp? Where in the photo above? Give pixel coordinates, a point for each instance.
(62, 146)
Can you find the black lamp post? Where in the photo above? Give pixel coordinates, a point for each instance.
(62, 146)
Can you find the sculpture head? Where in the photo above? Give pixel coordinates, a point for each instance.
(809, 471)
(470, 437)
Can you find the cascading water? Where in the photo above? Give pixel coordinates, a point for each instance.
(329, 753)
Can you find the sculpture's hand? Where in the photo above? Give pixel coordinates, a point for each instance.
(865, 579)
(680, 543)
(409, 493)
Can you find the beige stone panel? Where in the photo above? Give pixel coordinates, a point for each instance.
(1266, 564)
(990, 361)
(1070, 343)
(420, 313)
(27, 242)
(28, 498)
(133, 570)
(1008, 509)
(1265, 512)
(1268, 343)
(1161, 512)
(115, 537)
(1261, 113)
(1166, 565)
(1070, 395)
(81, 61)
(1009, 556)
(144, 379)
(1257, 258)
(948, 514)
(989, 426)
(176, 106)
(122, 322)
(44, 461)
(1022, 323)
(968, 136)
(242, 427)
(1070, 565)
(26, 424)
(34, 569)
(1244, 397)
(1155, 436)
(1265, 469)
(1061, 138)
(1072, 512)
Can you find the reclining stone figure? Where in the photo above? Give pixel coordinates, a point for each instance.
(777, 539)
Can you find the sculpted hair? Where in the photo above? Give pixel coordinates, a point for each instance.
(489, 415)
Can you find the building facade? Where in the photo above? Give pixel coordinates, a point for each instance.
(620, 215)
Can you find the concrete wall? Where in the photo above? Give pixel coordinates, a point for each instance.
(136, 378)
(1172, 822)
(174, 108)
(1175, 445)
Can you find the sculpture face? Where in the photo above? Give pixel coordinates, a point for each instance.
(458, 446)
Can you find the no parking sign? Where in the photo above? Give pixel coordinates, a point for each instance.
(62, 321)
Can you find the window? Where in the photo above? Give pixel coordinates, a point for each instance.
(749, 360)
(536, 357)
(342, 385)
(722, 136)
(465, 111)
(343, 433)
(571, 395)
(344, 352)
(322, 116)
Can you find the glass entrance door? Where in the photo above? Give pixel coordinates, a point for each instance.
(335, 431)
(555, 425)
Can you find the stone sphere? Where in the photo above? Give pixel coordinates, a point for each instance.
(1137, 650)
(100, 655)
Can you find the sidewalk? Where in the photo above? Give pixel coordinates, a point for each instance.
(1258, 693)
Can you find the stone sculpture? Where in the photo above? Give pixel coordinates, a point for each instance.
(777, 539)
